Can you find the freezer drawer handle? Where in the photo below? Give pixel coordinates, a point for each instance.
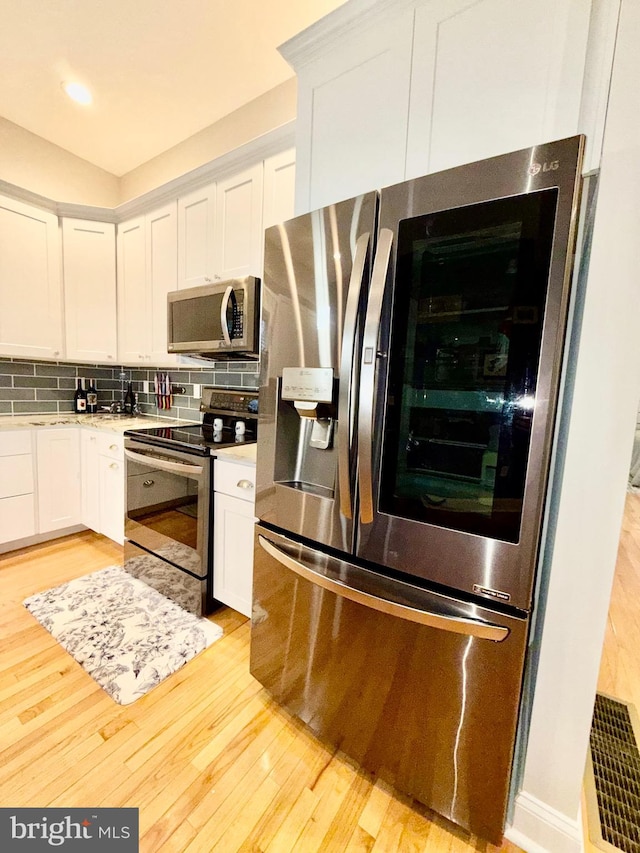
(163, 464)
(347, 358)
(454, 624)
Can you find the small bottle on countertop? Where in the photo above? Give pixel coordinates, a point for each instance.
(80, 399)
(129, 400)
(92, 397)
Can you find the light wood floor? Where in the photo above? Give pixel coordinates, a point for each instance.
(209, 760)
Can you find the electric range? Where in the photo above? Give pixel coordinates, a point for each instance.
(169, 506)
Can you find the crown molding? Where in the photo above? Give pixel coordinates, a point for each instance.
(266, 145)
(311, 43)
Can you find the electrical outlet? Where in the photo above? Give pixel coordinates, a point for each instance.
(197, 391)
(145, 386)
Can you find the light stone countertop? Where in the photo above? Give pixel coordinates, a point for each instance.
(242, 453)
(107, 422)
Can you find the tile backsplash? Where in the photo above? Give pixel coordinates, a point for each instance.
(43, 386)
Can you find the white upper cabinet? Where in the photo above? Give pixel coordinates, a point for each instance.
(147, 269)
(238, 225)
(491, 77)
(196, 217)
(89, 271)
(133, 339)
(279, 188)
(353, 104)
(431, 85)
(30, 282)
(220, 230)
(162, 270)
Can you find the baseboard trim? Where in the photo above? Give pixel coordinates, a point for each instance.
(39, 538)
(539, 828)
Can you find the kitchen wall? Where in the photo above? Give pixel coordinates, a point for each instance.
(30, 162)
(47, 388)
(271, 110)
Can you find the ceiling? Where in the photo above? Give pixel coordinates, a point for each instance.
(159, 70)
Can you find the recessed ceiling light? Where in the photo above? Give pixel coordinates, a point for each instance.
(78, 93)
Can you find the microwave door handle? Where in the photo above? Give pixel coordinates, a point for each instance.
(368, 374)
(223, 314)
(345, 395)
(436, 618)
(163, 464)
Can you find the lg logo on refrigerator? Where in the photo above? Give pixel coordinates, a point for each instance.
(534, 168)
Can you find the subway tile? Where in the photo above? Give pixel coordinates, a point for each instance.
(54, 370)
(5, 381)
(17, 368)
(35, 382)
(189, 414)
(5, 408)
(52, 394)
(250, 381)
(35, 406)
(17, 394)
(204, 378)
(65, 383)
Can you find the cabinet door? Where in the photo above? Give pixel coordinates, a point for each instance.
(491, 76)
(133, 344)
(89, 270)
(196, 214)
(30, 282)
(279, 188)
(162, 276)
(233, 552)
(59, 491)
(111, 479)
(353, 104)
(238, 227)
(90, 483)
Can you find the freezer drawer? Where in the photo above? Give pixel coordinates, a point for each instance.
(416, 687)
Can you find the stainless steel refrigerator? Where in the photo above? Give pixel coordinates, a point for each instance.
(412, 340)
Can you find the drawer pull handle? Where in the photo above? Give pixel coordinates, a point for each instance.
(148, 483)
(244, 484)
(113, 447)
(114, 465)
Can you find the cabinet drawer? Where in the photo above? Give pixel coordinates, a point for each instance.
(16, 475)
(111, 444)
(17, 518)
(13, 443)
(236, 480)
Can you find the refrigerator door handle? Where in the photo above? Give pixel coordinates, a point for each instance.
(368, 374)
(454, 624)
(346, 372)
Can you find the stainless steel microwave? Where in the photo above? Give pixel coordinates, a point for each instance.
(217, 321)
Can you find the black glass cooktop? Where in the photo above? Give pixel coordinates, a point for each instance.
(196, 439)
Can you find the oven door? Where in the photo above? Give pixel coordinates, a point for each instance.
(167, 522)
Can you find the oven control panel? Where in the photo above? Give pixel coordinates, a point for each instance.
(233, 402)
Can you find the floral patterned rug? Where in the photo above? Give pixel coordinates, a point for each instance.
(127, 636)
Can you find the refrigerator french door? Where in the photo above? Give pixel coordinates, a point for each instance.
(412, 343)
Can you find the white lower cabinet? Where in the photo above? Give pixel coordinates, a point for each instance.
(103, 483)
(17, 485)
(59, 489)
(111, 480)
(233, 534)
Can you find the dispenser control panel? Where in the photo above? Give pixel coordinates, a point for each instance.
(307, 384)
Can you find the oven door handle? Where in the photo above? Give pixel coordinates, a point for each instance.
(163, 464)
